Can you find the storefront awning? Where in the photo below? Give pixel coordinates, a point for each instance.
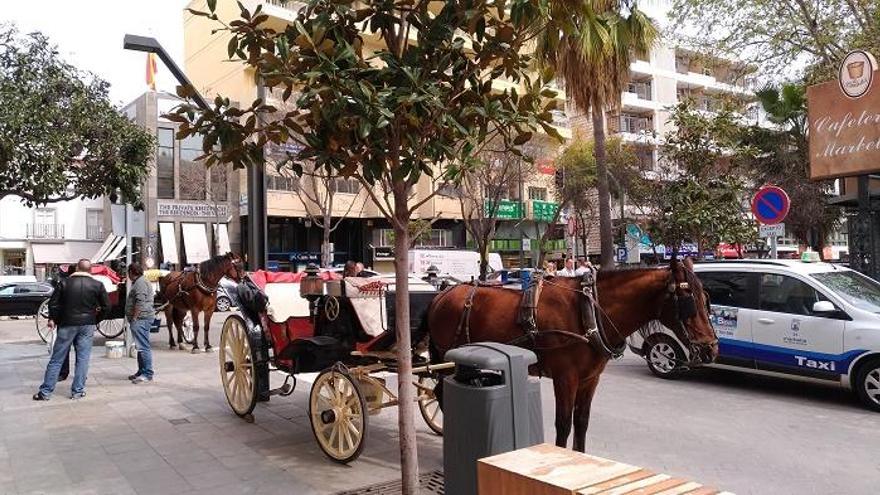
(169, 243)
(67, 252)
(110, 249)
(221, 234)
(195, 242)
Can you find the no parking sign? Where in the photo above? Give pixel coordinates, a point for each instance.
(770, 205)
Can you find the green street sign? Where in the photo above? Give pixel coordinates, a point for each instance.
(505, 209)
(543, 211)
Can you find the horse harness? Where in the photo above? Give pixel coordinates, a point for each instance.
(199, 284)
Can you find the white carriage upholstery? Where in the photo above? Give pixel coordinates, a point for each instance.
(367, 296)
(285, 301)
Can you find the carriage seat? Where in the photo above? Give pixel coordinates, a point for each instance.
(367, 297)
(284, 302)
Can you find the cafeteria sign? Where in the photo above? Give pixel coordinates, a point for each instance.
(844, 118)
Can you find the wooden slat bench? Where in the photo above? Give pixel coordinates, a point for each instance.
(549, 470)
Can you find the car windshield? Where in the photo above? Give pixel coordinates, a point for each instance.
(855, 288)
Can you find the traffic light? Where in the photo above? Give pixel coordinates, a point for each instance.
(559, 178)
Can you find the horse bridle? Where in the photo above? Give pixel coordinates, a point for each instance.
(685, 304)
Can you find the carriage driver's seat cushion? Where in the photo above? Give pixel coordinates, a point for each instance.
(284, 302)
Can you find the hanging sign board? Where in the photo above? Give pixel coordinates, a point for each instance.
(844, 119)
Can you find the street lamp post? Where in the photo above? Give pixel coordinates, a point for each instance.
(256, 178)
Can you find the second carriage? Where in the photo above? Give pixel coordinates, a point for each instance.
(341, 329)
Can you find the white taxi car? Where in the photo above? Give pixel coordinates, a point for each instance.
(790, 318)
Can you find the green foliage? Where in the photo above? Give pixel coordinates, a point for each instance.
(782, 158)
(60, 137)
(424, 98)
(777, 35)
(578, 160)
(701, 198)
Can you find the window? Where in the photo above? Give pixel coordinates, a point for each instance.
(432, 238)
(94, 224)
(640, 88)
(281, 183)
(539, 193)
(165, 164)
(449, 190)
(784, 294)
(729, 288)
(7, 290)
(853, 287)
(635, 124)
(346, 186)
(682, 64)
(192, 173)
(218, 182)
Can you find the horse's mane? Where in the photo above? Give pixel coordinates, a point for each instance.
(216, 263)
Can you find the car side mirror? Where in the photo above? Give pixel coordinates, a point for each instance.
(823, 307)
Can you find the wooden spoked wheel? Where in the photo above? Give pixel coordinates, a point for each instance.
(111, 329)
(42, 319)
(237, 366)
(429, 406)
(338, 413)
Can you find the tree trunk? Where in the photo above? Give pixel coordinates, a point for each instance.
(409, 459)
(484, 258)
(326, 257)
(606, 241)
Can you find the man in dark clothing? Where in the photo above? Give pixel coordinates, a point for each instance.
(74, 310)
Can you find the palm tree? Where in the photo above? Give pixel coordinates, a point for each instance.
(591, 44)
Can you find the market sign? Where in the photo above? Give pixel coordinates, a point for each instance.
(543, 211)
(505, 209)
(844, 117)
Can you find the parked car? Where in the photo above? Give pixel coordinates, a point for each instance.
(23, 298)
(224, 289)
(810, 321)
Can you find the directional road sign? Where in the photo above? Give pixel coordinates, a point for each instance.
(770, 205)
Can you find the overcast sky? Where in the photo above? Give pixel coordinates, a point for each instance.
(89, 34)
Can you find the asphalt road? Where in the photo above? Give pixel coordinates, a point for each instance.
(745, 434)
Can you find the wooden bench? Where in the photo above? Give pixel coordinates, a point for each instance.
(549, 470)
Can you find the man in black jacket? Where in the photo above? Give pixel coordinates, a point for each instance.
(74, 309)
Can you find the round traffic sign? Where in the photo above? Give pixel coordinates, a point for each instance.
(770, 205)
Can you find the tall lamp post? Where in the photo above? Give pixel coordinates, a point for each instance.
(256, 178)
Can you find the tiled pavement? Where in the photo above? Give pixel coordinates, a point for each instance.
(176, 435)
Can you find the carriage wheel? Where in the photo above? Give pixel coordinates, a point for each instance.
(42, 319)
(338, 414)
(237, 367)
(429, 406)
(111, 328)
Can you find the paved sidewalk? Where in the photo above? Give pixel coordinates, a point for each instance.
(176, 435)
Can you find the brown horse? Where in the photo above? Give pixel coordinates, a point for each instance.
(628, 299)
(196, 292)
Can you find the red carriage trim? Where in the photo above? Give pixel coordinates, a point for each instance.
(98, 270)
(262, 277)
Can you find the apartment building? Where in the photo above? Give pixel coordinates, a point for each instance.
(294, 234)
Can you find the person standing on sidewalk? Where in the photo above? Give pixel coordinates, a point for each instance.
(75, 307)
(140, 314)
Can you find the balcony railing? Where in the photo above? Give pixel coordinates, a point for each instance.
(635, 125)
(95, 232)
(45, 231)
(285, 4)
(640, 89)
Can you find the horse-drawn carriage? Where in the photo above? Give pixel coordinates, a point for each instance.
(111, 325)
(342, 329)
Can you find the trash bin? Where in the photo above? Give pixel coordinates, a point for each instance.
(490, 406)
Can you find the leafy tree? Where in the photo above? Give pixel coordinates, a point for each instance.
(60, 138)
(421, 104)
(592, 44)
(779, 34)
(700, 197)
(782, 159)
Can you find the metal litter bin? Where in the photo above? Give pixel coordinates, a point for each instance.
(490, 406)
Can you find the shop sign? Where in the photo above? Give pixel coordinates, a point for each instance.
(383, 253)
(505, 209)
(193, 210)
(543, 211)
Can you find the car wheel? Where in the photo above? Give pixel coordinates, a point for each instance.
(223, 304)
(867, 384)
(664, 356)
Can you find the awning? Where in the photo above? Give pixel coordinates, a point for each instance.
(221, 235)
(68, 252)
(110, 249)
(195, 242)
(169, 243)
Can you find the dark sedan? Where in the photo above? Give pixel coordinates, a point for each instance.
(23, 298)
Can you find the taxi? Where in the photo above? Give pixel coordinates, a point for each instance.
(799, 319)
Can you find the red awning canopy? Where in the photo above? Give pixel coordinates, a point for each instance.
(262, 277)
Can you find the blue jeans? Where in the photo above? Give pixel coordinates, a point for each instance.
(140, 332)
(81, 339)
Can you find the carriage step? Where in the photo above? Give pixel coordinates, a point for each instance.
(431, 483)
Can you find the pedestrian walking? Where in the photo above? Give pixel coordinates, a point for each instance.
(75, 307)
(584, 266)
(568, 270)
(140, 315)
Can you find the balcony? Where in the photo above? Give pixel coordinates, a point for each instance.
(634, 124)
(45, 231)
(642, 89)
(94, 232)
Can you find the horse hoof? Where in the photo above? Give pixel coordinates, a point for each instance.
(180, 347)
(209, 348)
(171, 346)
(196, 350)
